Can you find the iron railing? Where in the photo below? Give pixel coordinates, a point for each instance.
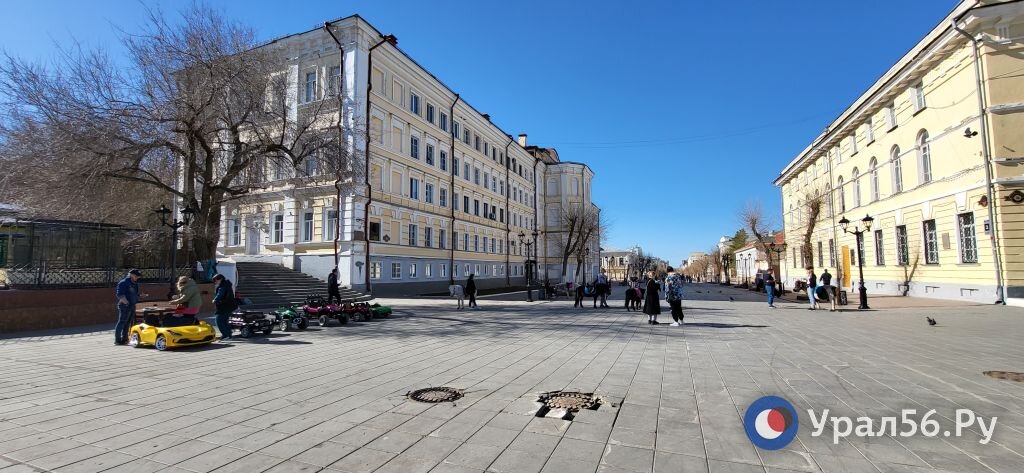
(43, 277)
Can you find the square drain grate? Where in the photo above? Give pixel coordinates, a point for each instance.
(565, 404)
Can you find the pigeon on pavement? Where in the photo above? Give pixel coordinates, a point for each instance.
(931, 321)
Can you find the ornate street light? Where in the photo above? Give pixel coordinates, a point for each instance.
(186, 219)
(529, 263)
(859, 234)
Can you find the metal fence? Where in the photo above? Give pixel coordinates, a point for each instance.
(43, 277)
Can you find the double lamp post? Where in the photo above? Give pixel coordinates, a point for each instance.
(186, 219)
(866, 221)
(530, 263)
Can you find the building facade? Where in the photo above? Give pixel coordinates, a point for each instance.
(446, 192)
(619, 265)
(932, 151)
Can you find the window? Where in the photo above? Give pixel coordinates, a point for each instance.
(444, 160)
(476, 176)
(466, 173)
(842, 195)
(924, 157)
(310, 90)
(476, 243)
(902, 248)
(414, 103)
(430, 154)
(853, 144)
(465, 243)
(375, 231)
(430, 113)
(412, 234)
(455, 166)
(873, 176)
(444, 121)
(466, 269)
(869, 131)
(917, 93)
(234, 232)
(307, 226)
(485, 244)
(476, 207)
(375, 270)
(455, 129)
(278, 235)
(334, 80)
(492, 245)
(821, 256)
(487, 181)
(465, 136)
(485, 210)
(968, 240)
(428, 193)
(442, 239)
(501, 215)
(428, 270)
(310, 166)
(444, 270)
(476, 142)
(414, 188)
(330, 224)
(428, 237)
(412, 270)
(890, 116)
(831, 253)
(879, 249)
(897, 170)
(442, 198)
(486, 148)
(465, 203)
(396, 270)
(414, 147)
(931, 243)
(855, 182)
(476, 269)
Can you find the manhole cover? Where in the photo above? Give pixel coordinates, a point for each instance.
(441, 394)
(571, 401)
(1007, 375)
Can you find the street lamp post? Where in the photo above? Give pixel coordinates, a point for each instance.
(586, 256)
(528, 243)
(186, 215)
(857, 232)
(778, 250)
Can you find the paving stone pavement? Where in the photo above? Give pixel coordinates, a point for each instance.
(333, 398)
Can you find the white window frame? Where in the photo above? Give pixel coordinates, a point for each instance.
(307, 224)
(396, 268)
(917, 94)
(375, 269)
(234, 232)
(328, 226)
(277, 228)
(412, 271)
(309, 87)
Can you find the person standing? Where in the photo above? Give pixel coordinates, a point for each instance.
(769, 287)
(127, 294)
(471, 291)
(652, 303)
(602, 288)
(224, 303)
(333, 290)
(674, 296)
(826, 280)
(812, 286)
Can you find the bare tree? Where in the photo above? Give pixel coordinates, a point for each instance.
(580, 227)
(813, 201)
(196, 96)
(753, 219)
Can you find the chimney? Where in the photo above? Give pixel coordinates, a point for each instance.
(522, 140)
(486, 116)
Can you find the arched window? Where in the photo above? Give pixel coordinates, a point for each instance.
(897, 170)
(924, 157)
(873, 170)
(828, 200)
(842, 195)
(855, 182)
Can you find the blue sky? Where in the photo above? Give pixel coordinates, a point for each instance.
(685, 110)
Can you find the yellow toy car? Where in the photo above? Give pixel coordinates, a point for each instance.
(153, 332)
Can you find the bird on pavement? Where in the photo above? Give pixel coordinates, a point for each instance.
(731, 299)
(931, 321)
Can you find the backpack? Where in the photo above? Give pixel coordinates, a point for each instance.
(674, 289)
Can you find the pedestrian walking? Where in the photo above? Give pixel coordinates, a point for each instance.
(603, 288)
(224, 303)
(674, 296)
(812, 286)
(127, 294)
(652, 301)
(471, 291)
(826, 280)
(188, 303)
(333, 290)
(769, 287)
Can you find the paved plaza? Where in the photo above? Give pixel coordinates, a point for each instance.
(334, 398)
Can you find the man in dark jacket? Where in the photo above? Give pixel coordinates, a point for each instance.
(127, 296)
(333, 290)
(471, 291)
(224, 305)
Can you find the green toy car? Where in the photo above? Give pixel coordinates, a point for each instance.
(289, 317)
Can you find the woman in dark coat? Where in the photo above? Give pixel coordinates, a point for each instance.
(652, 304)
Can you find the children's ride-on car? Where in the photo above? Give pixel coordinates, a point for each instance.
(379, 311)
(163, 331)
(249, 322)
(287, 317)
(317, 308)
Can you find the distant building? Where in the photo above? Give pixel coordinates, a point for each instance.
(619, 265)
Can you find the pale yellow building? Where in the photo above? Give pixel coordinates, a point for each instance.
(933, 154)
(446, 194)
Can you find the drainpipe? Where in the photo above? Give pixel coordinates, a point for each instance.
(987, 159)
(451, 192)
(341, 137)
(508, 216)
(390, 39)
(536, 250)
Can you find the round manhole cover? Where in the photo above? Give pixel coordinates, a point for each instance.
(434, 395)
(1007, 375)
(572, 401)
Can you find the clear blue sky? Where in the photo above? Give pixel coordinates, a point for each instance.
(685, 110)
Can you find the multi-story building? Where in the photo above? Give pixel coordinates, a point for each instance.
(619, 265)
(446, 192)
(932, 151)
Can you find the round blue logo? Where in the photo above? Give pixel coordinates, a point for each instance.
(771, 422)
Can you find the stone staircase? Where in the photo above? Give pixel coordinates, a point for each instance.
(270, 285)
